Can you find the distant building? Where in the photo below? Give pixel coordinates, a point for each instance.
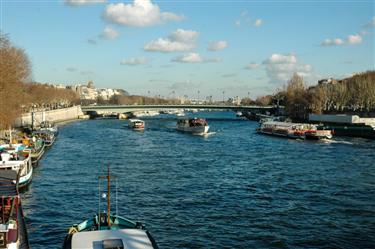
(90, 85)
(327, 81)
(236, 100)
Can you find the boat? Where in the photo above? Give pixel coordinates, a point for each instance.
(35, 149)
(146, 113)
(13, 158)
(136, 124)
(13, 232)
(193, 125)
(316, 134)
(107, 230)
(293, 130)
(48, 126)
(47, 136)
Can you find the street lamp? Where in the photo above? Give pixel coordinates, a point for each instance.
(223, 96)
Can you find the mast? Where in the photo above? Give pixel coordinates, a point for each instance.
(10, 136)
(108, 178)
(109, 197)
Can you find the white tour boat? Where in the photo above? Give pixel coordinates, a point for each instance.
(293, 130)
(136, 124)
(193, 125)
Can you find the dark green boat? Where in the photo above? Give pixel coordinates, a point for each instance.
(109, 231)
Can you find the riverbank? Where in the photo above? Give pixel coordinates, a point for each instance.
(55, 116)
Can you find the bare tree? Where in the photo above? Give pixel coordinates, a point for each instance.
(14, 71)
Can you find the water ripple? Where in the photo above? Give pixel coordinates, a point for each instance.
(233, 189)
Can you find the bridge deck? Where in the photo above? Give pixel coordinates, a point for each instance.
(123, 108)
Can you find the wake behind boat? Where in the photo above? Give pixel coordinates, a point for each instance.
(109, 231)
(193, 125)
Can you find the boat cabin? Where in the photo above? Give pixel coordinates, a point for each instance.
(191, 122)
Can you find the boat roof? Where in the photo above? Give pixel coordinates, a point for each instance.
(135, 120)
(131, 239)
(8, 179)
(189, 118)
(42, 132)
(278, 123)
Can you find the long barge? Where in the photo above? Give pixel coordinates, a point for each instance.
(293, 130)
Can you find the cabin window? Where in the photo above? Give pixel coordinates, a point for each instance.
(113, 244)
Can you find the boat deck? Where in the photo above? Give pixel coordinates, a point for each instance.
(122, 238)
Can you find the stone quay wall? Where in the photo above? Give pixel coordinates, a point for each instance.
(57, 115)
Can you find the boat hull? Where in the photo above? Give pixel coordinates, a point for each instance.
(194, 129)
(293, 130)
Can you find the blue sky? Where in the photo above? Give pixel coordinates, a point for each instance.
(157, 47)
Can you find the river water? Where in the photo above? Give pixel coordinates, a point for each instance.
(231, 189)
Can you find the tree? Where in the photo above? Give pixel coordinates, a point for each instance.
(297, 103)
(14, 71)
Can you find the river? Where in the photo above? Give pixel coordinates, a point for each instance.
(231, 189)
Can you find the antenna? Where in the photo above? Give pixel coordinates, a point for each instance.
(99, 202)
(116, 197)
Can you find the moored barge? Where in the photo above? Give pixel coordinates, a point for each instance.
(13, 232)
(108, 230)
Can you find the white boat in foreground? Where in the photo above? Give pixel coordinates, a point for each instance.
(136, 124)
(109, 231)
(193, 125)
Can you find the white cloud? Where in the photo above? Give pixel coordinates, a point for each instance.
(332, 42)
(109, 33)
(217, 45)
(141, 13)
(177, 41)
(134, 61)
(194, 58)
(354, 39)
(237, 23)
(252, 66)
(281, 67)
(258, 22)
(83, 2)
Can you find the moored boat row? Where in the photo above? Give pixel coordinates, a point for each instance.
(13, 232)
